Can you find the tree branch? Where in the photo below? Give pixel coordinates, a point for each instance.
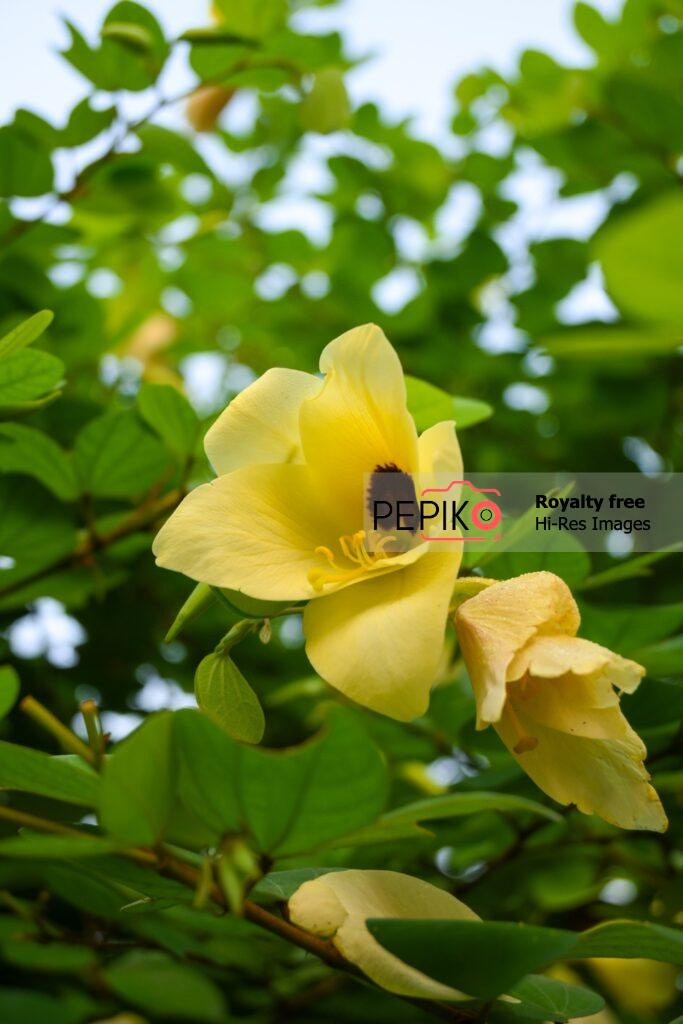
(139, 519)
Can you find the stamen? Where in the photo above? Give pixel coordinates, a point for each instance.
(354, 550)
(344, 545)
(322, 550)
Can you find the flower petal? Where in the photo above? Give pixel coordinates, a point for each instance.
(380, 642)
(496, 624)
(588, 756)
(254, 530)
(261, 424)
(439, 451)
(552, 656)
(336, 906)
(358, 420)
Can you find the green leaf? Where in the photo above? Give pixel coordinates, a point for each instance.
(55, 847)
(572, 566)
(116, 457)
(290, 801)
(25, 165)
(404, 822)
(555, 999)
(454, 805)
(642, 259)
(138, 783)
(214, 36)
(662, 659)
(225, 696)
(156, 984)
(171, 416)
(592, 27)
(116, 64)
(458, 953)
(17, 1006)
(36, 531)
(251, 18)
(325, 108)
(630, 569)
(59, 957)
(26, 332)
(249, 607)
(31, 771)
(134, 36)
(627, 629)
(428, 404)
(611, 342)
(28, 374)
(167, 147)
(279, 886)
(12, 410)
(85, 123)
(9, 689)
(630, 939)
(31, 452)
(201, 597)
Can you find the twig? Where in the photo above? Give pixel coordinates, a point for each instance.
(64, 736)
(138, 520)
(320, 948)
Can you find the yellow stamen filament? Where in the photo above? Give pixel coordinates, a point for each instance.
(354, 550)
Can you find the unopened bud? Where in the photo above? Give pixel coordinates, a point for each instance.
(206, 104)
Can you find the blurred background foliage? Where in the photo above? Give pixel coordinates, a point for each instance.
(154, 238)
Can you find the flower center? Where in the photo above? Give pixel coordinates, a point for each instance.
(390, 484)
(359, 561)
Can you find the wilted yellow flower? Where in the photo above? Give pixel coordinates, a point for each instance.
(551, 697)
(283, 520)
(336, 906)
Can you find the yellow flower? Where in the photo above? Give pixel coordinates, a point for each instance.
(283, 520)
(336, 906)
(551, 697)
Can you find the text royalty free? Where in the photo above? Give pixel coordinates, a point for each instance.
(591, 503)
(409, 514)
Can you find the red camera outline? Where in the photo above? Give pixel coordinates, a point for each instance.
(486, 502)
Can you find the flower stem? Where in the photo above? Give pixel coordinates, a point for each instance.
(67, 739)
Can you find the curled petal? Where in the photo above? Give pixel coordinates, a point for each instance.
(336, 906)
(582, 752)
(494, 626)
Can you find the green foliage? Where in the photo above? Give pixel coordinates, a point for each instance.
(171, 416)
(170, 265)
(458, 953)
(641, 257)
(226, 697)
(31, 771)
(116, 457)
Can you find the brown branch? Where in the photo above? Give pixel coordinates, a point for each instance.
(142, 517)
(20, 227)
(172, 867)
(321, 948)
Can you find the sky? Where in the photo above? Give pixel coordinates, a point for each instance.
(421, 46)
